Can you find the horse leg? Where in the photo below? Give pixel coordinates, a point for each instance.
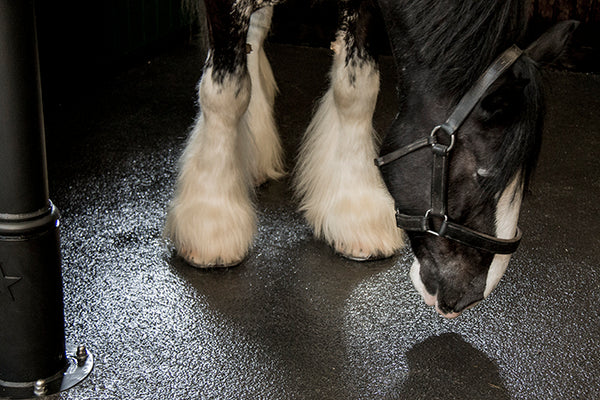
(342, 194)
(211, 220)
(258, 118)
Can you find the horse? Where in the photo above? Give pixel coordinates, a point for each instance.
(449, 174)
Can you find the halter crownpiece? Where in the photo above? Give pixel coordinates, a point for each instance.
(441, 149)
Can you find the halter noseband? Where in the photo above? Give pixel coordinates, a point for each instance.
(439, 199)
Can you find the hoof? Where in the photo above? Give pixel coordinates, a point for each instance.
(363, 258)
(197, 262)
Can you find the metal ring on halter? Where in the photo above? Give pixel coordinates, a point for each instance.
(428, 227)
(434, 141)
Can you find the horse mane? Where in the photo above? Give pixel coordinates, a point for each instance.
(520, 146)
(457, 40)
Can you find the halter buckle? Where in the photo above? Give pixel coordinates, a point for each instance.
(429, 227)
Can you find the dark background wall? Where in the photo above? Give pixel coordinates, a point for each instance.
(81, 43)
(586, 11)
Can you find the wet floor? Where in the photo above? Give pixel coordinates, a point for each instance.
(294, 320)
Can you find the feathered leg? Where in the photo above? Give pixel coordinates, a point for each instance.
(211, 220)
(342, 194)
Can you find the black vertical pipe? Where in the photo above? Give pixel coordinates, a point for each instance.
(22, 140)
(32, 344)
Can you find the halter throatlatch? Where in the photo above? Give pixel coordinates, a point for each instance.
(441, 142)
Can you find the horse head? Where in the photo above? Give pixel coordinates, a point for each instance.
(462, 251)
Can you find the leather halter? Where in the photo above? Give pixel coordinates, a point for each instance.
(439, 199)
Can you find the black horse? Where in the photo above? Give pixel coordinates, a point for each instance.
(452, 167)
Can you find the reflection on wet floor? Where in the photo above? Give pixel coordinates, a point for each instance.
(294, 320)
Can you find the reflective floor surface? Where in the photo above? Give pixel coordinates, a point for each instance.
(294, 320)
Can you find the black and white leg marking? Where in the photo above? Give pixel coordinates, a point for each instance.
(258, 118)
(211, 220)
(342, 194)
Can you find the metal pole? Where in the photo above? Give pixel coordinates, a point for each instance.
(33, 358)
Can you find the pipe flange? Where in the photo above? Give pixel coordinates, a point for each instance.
(80, 363)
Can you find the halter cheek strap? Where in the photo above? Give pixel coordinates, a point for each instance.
(436, 220)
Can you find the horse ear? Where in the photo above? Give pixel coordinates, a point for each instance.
(552, 44)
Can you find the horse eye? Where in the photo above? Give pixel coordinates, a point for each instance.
(484, 173)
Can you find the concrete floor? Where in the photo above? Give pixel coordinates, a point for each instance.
(295, 321)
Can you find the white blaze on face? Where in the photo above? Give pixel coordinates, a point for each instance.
(415, 276)
(507, 216)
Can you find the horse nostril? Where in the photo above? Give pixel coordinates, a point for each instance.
(444, 306)
(429, 299)
(451, 315)
(447, 313)
(453, 311)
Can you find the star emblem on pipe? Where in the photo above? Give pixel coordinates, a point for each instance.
(6, 282)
